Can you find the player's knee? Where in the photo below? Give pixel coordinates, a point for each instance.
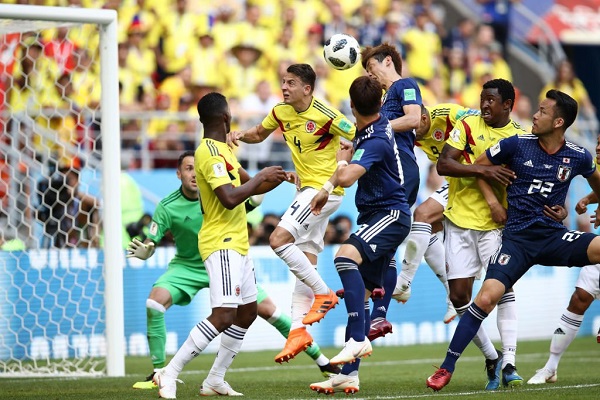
(459, 299)
(486, 301)
(153, 305)
(580, 301)
(427, 214)
(277, 239)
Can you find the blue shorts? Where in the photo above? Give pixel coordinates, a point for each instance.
(537, 244)
(377, 238)
(410, 169)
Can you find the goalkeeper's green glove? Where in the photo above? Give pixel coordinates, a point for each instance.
(140, 250)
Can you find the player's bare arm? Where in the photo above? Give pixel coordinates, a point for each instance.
(269, 177)
(256, 134)
(449, 165)
(594, 181)
(345, 175)
(410, 119)
(581, 206)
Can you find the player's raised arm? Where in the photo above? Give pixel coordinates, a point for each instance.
(256, 134)
(410, 119)
(263, 181)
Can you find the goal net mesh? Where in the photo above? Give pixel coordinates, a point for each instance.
(52, 313)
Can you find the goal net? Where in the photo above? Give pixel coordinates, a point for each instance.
(60, 238)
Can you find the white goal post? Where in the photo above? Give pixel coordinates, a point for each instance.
(21, 18)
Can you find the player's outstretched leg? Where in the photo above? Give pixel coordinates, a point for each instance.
(157, 339)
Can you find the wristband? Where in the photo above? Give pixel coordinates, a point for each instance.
(328, 186)
(342, 162)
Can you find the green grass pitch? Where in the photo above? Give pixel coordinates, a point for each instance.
(390, 373)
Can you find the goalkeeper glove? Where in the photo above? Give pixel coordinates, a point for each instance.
(140, 250)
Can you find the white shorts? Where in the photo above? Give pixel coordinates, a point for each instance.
(589, 280)
(232, 281)
(468, 251)
(441, 195)
(307, 228)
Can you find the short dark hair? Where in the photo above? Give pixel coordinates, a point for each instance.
(305, 72)
(187, 153)
(365, 94)
(211, 106)
(505, 89)
(565, 106)
(380, 53)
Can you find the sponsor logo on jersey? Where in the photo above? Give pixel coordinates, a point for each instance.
(238, 291)
(503, 259)
(310, 126)
(563, 173)
(438, 135)
(528, 163)
(373, 247)
(480, 137)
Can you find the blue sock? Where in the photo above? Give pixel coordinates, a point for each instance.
(465, 332)
(354, 296)
(381, 306)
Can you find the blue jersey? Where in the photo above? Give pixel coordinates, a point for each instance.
(403, 92)
(381, 187)
(542, 178)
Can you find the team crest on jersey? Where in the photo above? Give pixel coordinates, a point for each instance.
(503, 259)
(310, 126)
(438, 135)
(238, 291)
(563, 173)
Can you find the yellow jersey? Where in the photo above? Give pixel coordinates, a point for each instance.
(222, 229)
(443, 118)
(467, 207)
(313, 137)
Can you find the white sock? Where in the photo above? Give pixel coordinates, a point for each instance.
(416, 246)
(200, 336)
(436, 259)
(275, 316)
(302, 300)
(481, 338)
(231, 342)
(322, 360)
(508, 327)
(568, 327)
(302, 268)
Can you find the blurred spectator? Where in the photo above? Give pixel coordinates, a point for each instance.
(585, 127)
(132, 207)
(252, 110)
(177, 38)
(500, 68)
(176, 86)
(471, 95)
(480, 45)
(459, 37)
(141, 60)
(523, 111)
(455, 73)
(60, 48)
(423, 48)
(206, 61)
(260, 235)
(395, 26)
(86, 81)
(496, 13)
(370, 25)
(70, 218)
(243, 72)
(342, 226)
(335, 21)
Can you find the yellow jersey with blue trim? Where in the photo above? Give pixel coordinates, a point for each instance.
(443, 118)
(313, 137)
(467, 208)
(222, 229)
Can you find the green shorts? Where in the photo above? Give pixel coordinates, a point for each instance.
(183, 282)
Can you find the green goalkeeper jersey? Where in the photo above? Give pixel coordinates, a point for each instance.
(183, 217)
